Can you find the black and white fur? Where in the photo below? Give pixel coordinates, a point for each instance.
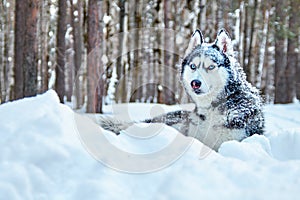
(227, 107)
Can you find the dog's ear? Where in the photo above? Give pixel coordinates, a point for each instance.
(223, 41)
(197, 39)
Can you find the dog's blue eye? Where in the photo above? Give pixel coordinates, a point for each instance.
(193, 66)
(211, 67)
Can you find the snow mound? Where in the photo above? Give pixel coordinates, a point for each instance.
(50, 152)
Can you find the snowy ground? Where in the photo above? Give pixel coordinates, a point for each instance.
(49, 152)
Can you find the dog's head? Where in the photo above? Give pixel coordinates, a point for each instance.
(204, 70)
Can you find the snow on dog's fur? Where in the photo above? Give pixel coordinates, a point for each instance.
(227, 107)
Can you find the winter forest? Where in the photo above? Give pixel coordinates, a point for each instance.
(95, 52)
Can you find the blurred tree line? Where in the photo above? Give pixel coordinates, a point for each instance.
(94, 52)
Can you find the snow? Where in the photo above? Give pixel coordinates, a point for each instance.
(50, 152)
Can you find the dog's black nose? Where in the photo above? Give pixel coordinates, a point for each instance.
(196, 84)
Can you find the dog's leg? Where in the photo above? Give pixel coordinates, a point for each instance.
(177, 119)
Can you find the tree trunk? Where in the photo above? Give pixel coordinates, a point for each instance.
(202, 15)
(6, 54)
(292, 55)
(280, 64)
(43, 56)
(240, 32)
(137, 44)
(245, 49)
(20, 10)
(251, 58)
(124, 60)
(60, 50)
(107, 49)
(95, 82)
(119, 62)
(168, 54)
(130, 54)
(30, 48)
(77, 24)
(1, 49)
(261, 68)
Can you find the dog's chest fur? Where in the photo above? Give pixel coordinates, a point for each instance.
(207, 125)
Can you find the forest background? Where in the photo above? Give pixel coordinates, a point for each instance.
(96, 52)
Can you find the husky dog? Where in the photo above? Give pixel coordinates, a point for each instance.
(227, 107)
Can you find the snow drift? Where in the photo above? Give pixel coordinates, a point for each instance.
(44, 155)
